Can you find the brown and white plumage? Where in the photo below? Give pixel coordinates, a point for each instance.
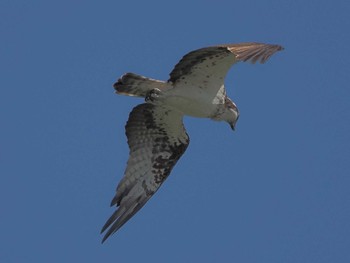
(155, 131)
(157, 139)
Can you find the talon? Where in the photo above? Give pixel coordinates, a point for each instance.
(152, 95)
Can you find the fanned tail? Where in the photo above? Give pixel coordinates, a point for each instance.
(131, 84)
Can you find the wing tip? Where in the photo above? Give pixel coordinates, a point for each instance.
(105, 237)
(111, 224)
(254, 52)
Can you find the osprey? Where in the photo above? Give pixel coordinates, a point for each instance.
(155, 131)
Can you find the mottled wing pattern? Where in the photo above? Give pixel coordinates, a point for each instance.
(205, 62)
(207, 67)
(157, 139)
(131, 84)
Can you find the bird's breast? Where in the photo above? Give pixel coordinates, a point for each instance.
(192, 106)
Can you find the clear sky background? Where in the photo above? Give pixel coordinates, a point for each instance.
(276, 190)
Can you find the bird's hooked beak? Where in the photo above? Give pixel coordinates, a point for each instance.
(233, 123)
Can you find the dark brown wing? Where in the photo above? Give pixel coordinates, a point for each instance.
(157, 139)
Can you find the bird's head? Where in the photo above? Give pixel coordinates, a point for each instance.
(231, 113)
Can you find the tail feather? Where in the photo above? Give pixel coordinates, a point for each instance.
(131, 84)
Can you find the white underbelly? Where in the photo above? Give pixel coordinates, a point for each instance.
(191, 106)
(194, 101)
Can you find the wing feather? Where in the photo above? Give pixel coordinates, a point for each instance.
(217, 60)
(157, 139)
(253, 52)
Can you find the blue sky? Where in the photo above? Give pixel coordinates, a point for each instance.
(275, 190)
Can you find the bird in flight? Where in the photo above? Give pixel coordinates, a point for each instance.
(156, 135)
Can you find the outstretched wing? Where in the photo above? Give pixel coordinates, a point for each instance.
(157, 139)
(207, 67)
